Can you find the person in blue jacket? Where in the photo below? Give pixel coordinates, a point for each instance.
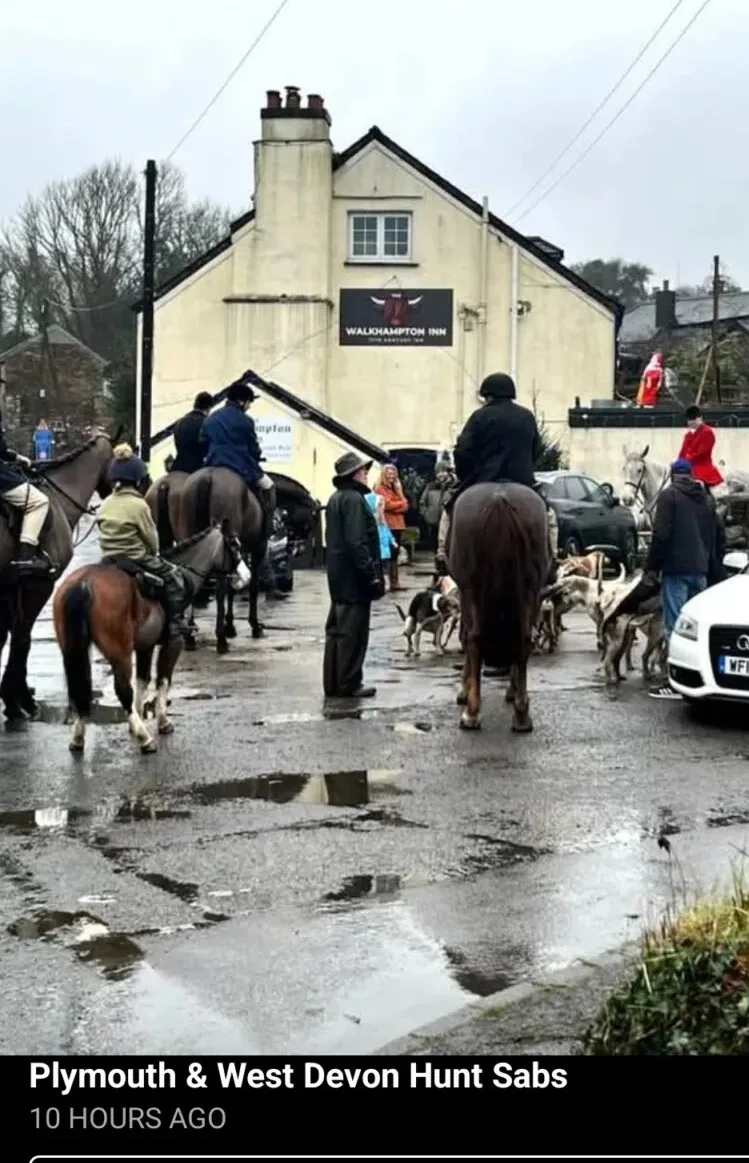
(43, 441)
(231, 442)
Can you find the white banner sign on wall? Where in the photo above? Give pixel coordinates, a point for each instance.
(276, 440)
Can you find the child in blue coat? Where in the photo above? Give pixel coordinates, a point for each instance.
(387, 541)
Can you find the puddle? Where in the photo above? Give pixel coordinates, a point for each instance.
(113, 954)
(358, 887)
(411, 728)
(121, 811)
(725, 820)
(185, 890)
(102, 714)
(341, 789)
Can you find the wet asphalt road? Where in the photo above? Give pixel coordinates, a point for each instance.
(276, 882)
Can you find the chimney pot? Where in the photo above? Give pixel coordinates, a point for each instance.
(274, 99)
(293, 100)
(315, 101)
(665, 284)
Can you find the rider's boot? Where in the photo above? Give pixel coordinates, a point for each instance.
(30, 559)
(174, 604)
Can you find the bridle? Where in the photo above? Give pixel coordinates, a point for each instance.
(637, 488)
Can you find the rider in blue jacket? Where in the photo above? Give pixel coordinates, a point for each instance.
(231, 442)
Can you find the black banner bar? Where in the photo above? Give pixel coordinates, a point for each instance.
(91, 1108)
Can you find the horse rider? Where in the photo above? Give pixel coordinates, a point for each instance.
(697, 447)
(500, 442)
(127, 530)
(189, 447)
(231, 442)
(17, 492)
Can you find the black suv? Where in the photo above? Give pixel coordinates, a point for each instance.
(590, 516)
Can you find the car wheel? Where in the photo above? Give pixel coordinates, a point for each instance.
(630, 553)
(572, 547)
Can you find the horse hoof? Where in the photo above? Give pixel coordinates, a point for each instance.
(509, 697)
(231, 631)
(148, 748)
(469, 722)
(166, 728)
(76, 746)
(222, 646)
(190, 643)
(462, 700)
(258, 632)
(522, 726)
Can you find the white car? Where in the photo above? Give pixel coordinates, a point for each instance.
(708, 655)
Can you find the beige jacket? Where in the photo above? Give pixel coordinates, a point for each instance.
(126, 527)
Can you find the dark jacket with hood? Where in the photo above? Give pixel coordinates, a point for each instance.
(11, 475)
(190, 448)
(500, 441)
(685, 531)
(353, 546)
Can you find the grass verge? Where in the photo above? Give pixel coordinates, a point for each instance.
(689, 993)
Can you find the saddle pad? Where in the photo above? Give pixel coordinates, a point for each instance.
(133, 569)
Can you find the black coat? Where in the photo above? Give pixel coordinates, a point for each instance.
(10, 475)
(500, 442)
(353, 546)
(190, 448)
(685, 536)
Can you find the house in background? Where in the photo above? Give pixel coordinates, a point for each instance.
(379, 294)
(55, 376)
(669, 322)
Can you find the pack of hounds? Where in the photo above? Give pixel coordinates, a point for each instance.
(578, 584)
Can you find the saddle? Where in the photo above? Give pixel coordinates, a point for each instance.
(149, 585)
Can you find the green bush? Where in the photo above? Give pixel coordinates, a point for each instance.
(690, 992)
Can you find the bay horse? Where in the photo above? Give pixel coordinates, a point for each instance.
(70, 481)
(498, 554)
(115, 609)
(218, 494)
(163, 498)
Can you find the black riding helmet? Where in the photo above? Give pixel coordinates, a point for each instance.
(498, 386)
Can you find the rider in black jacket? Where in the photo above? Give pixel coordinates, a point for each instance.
(190, 450)
(500, 442)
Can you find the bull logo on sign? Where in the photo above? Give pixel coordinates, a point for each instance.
(395, 308)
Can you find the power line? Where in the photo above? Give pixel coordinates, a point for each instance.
(616, 116)
(597, 110)
(229, 79)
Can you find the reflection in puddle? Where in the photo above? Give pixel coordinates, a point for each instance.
(341, 789)
(123, 810)
(357, 887)
(114, 954)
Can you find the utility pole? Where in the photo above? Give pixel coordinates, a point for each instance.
(716, 317)
(146, 346)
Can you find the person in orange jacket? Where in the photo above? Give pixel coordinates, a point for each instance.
(650, 384)
(697, 447)
(395, 507)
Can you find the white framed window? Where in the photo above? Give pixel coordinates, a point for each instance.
(379, 237)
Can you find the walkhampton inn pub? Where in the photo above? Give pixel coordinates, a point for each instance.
(376, 294)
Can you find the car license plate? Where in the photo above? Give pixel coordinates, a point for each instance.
(730, 665)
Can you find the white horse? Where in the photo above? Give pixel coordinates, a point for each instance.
(644, 481)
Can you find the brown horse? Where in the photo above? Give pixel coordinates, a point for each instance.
(164, 498)
(116, 610)
(70, 482)
(498, 554)
(218, 494)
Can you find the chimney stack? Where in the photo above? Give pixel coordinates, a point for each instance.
(293, 100)
(314, 101)
(278, 113)
(665, 308)
(274, 99)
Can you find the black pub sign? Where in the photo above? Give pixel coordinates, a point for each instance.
(395, 318)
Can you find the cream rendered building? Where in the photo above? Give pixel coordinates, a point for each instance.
(378, 294)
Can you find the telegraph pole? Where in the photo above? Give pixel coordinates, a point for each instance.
(146, 348)
(716, 317)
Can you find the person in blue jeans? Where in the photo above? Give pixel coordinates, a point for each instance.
(684, 549)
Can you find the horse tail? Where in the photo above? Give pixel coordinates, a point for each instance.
(203, 496)
(502, 582)
(163, 520)
(75, 644)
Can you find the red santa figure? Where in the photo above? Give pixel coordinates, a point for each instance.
(651, 381)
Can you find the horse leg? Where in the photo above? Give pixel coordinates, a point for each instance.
(192, 626)
(122, 668)
(221, 643)
(166, 662)
(143, 661)
(230, 630)
(469, 719)
(521, 720)
(256, 561)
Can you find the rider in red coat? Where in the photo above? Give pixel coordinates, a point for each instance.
(697, 448)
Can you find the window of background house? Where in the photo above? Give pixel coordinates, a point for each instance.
(380, 237)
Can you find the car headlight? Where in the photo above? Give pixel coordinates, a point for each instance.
(686, 627)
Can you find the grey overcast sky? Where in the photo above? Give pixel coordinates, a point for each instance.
(486, 93)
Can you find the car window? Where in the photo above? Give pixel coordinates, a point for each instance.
(595, 492)
(555, 489)
(575, 488)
